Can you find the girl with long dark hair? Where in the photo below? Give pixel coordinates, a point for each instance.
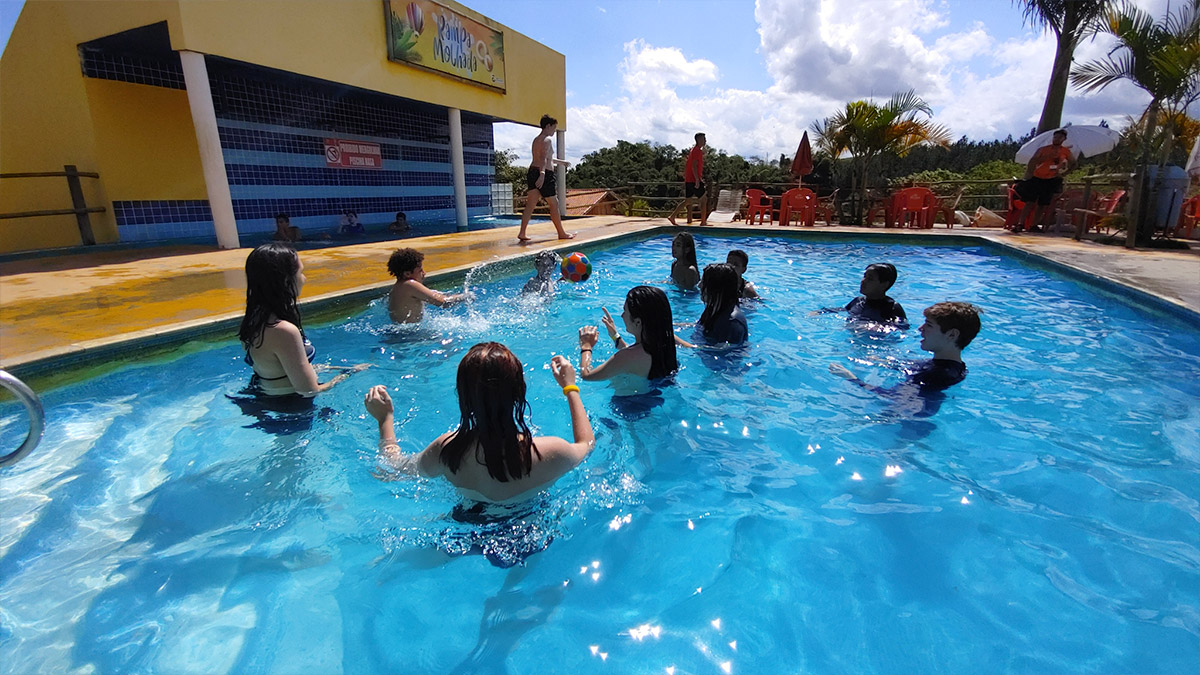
(685, 271)
(722, 320)
(647, 316)
(492, 456)
(271, 330)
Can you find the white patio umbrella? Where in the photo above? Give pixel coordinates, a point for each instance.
(1193, 164)
(1084, 140)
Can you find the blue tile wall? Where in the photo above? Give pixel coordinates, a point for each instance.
(272, 126)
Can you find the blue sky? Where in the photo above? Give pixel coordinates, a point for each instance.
(755, 75)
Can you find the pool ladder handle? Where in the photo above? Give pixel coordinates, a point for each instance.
(37, 418)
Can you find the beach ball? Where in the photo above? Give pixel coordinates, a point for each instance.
(576, 267)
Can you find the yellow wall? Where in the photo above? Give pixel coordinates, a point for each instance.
(145, 142)
(140, 138)
(345, 42)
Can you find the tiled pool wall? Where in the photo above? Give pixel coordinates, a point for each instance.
(272, 128)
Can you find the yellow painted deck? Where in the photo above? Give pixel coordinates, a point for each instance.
(66, 305)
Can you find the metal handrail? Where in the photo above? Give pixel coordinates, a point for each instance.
(37, 418)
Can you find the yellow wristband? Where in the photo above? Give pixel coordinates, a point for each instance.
(570, 388)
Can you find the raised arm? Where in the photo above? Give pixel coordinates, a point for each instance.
(621, 362)
(581, 427)
(379, 405)
(428, 295)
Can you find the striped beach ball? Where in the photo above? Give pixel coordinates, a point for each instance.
(576, 267)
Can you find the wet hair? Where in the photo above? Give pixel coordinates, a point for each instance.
(492, 405)
(400, 214)
(547, 121)
(885, 272)
(721, 292)
(545, 257)
(283, 216)
(961, 315)
(270, 291)
(650, 304)
(699, 136)
(689, 248)
(404, 260)
(740, 255)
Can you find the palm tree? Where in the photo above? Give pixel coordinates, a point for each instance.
(1163, 59)
(1069, 20)
(866, 130)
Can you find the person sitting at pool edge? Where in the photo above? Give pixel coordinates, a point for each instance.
(722, 320)
(492, 456)
(400, 224)
(546, 263)
(874, 304)
(406, 300)
(740, 261)
(647, 316)
(685, 271)
(949, 327)
(271, 332)
(284, 230)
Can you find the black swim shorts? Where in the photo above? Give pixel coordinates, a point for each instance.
(1040, 190)
(547, 189)
(690, 191)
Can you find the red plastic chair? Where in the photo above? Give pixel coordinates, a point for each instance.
(826, 206)
(758, 205)
(1106, 206)
(1189, 214)
(1015, 204)
(798, 203)
(914, 207)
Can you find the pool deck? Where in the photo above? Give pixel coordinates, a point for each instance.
(77, 306)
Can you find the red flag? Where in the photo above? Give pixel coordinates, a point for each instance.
(802, 165)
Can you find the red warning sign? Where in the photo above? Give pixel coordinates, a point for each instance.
(345, 154)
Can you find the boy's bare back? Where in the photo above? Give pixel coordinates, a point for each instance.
(406, 301)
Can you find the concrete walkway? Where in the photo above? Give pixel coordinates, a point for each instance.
(78, 305)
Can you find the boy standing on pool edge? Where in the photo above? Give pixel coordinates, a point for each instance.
(693, 183)
(540, 180)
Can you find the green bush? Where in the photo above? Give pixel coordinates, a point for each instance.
(925, 177)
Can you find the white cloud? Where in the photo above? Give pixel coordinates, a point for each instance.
(821, 54)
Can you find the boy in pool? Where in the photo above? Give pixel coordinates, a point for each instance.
(406, 300)
(546, 263)
(949, 327)
(284, 230)
(874, 304)
(738, 258)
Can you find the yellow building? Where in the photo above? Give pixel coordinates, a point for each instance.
(205, 118)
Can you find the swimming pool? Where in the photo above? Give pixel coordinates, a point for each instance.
(760, 515)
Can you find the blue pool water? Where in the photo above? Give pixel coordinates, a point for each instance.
(758, 516)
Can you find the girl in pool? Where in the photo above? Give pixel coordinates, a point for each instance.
(647, 315)
(685, 271)
(492, 456)
(722, 320)
(271, 332)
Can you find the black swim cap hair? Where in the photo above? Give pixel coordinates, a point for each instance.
(739, 254)
(885, 272)
(270, 290)
(547, 121)
(721, 291)
(651, 305)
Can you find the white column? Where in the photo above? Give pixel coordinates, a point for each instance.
(560, 171)
(458, 169)
(212, 160)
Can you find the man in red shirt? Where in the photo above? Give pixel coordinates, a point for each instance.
(1043, 179)
(693, 184)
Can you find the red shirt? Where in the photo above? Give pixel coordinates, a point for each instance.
(1048, 156)
(694, 169)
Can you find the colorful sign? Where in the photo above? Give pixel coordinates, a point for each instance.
(427, 35)
(344, 154)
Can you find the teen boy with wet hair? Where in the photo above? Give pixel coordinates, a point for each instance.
(874, 304)
(949, 327)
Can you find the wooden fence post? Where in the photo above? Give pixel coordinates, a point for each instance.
(80, 206)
